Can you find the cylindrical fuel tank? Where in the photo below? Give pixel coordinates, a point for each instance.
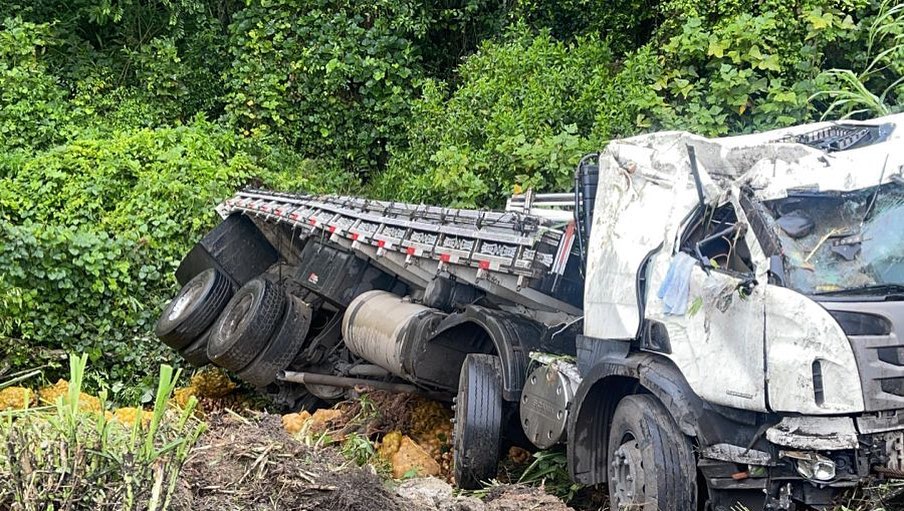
(383, 328)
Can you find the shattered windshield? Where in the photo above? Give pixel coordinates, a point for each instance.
(842, 241)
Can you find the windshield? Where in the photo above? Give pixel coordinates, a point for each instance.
(841, 241)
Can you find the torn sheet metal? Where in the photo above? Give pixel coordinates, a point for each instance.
(814, 433)
(645, 190)
(802, 340)
(718, 344)
(736, 454)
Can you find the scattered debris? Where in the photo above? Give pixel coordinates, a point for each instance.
(433, 494)
(254, 463)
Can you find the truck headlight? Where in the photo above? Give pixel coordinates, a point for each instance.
(818, 468)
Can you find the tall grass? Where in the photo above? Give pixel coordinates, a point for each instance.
(853, 94)
(66, 457)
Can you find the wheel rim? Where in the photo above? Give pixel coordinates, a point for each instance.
(626, 479)
(183, 301)
(237, 316)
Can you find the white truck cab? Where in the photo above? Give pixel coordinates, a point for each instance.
(768, 270)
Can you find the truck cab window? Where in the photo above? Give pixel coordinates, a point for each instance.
(717, 239)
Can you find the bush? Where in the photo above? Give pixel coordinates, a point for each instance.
(521, 115)
(333, 78)
(91, 232)
(33, 110)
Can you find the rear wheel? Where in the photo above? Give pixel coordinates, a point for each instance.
(194, 309)
(246, 324)
(651, 462)
(196, 352)
(478, 421)
(283, 347)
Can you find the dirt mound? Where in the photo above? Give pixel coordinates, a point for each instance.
(254, 464)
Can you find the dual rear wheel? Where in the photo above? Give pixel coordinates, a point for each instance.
(255, 332)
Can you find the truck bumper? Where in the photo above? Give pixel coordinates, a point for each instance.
(810, 461)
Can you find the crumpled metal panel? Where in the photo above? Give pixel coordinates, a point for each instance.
(814, 433)
(645, 190)
(798, 332)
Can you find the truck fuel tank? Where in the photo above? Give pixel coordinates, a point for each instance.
(386, 329)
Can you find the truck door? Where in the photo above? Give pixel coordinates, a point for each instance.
(717, 339)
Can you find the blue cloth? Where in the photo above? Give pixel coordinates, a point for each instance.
(676, 286)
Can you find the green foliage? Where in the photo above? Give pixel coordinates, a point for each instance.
(550, 470)
(123, 122)
(521, 115)
(333, 78)
(106, 465)
(625, 24)
(91, 232)
(33, 111)
(743, 74)
(851, 92)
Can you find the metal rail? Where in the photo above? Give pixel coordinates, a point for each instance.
(506, 242)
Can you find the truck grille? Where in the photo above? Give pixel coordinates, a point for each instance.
(876, 331)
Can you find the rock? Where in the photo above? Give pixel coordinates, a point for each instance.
(427, 492)
(411, 458)
(463, 504)
(433, 493)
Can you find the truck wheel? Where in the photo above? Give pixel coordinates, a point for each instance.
(246, 324)
(283, 347)
(651, 462)
(196, 352)
(478, 421)
(194, 309)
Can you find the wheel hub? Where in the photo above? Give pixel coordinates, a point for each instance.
(238, 314)
(182, 302)
(626, 475)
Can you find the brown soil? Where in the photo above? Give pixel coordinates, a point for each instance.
(252, 463)
(255, 464)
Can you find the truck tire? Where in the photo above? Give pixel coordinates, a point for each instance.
(196, 352)
(246, 324)
(477, 434)
(651, 462)
(283, 347)
(194, 309)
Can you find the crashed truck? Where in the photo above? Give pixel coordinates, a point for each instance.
(700, 324)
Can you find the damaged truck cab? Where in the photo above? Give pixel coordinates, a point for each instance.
(700, 323)
(767, 309)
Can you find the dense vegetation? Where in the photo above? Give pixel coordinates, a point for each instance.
(122, 122)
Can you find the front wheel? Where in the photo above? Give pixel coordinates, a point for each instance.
(651, 462)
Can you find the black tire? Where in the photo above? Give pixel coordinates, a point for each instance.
(246, 324)
(283, 347)
(477, 435)
(651, 462)
(194, 309)
(196, 352)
